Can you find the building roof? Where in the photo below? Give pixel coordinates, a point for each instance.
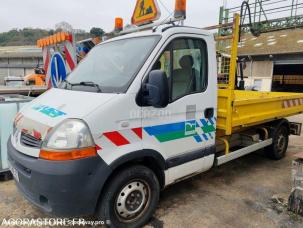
(279, 42)
(20, 52)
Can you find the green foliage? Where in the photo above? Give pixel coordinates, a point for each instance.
(29, 36)
(95, 32)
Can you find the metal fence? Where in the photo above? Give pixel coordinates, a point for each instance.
(265, 15)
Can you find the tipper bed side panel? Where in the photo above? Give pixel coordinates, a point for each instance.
(240, 109)
(251, 108)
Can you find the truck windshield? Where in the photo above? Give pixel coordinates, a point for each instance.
(111, 66)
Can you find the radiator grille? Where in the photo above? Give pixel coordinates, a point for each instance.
(30, 141)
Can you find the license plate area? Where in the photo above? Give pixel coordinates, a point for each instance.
(14, 172)
(295, 128)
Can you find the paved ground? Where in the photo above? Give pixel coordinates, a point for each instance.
(249, 192)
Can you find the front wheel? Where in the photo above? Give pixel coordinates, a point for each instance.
(130, 198)
(279, 147)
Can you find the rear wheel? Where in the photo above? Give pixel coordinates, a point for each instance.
(279, 147)
(130, 198)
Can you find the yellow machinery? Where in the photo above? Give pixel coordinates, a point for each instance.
(239, 109)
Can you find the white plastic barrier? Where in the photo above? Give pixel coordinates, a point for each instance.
(9, 106)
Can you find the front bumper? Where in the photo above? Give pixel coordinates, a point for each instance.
(64, 188)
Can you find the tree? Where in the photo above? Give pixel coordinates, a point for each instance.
(64, 26)
(51, 32)
(97, 32)
(29, 36)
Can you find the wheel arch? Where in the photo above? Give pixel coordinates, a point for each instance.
(149, 158)
(278, 123)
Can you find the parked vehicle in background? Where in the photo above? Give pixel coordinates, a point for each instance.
(83, 48)
(36, 79)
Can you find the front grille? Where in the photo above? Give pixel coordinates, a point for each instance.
(30, 141)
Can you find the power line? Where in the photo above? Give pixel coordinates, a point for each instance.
(164, 6)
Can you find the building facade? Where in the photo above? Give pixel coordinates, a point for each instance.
(19, 61)
(273, 61)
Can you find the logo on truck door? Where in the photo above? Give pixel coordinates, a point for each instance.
(190, 127)
(201, 130)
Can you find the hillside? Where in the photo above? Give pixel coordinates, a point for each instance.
(29, 36)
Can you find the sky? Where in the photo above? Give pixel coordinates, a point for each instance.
(85, 14)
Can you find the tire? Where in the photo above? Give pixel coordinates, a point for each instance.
(132, 192)
(278, 149)
(6, 176)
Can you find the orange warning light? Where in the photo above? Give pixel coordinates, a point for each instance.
(180, 9)
(118, 24)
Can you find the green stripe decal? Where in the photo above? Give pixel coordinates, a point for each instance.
(208, 129)
(173, 136)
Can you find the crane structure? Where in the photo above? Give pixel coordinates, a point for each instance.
(263, 16)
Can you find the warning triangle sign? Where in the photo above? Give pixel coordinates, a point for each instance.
(146, 11)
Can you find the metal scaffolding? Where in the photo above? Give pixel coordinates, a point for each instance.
(265, 15)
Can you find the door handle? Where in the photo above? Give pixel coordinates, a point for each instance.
(209, 113)
(124, 124)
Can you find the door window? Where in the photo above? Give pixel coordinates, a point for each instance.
(185, 64)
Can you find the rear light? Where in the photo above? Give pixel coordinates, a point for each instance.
(68, 155)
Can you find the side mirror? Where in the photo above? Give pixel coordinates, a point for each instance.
(156, 90)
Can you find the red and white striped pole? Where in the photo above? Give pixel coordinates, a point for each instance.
(46, 63)
(70, 54)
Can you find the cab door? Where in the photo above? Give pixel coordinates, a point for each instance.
(184, 131)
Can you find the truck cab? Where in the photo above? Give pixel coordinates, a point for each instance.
(139, 113)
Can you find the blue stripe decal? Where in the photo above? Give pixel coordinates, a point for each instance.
(197, 124)
(198, 138)
(205, 137)
(167, 128)
(204, 122)
(211, 121)
(210, 135)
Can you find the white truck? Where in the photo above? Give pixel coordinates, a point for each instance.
(141, 112)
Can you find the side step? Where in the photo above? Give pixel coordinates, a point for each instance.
(241, 152)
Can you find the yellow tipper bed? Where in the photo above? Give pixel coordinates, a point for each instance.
(238, 109)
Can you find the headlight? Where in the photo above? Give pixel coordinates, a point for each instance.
(71, 134)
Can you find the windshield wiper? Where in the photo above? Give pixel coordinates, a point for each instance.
(91, 84)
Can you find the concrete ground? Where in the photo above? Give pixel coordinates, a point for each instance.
(249, 192)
